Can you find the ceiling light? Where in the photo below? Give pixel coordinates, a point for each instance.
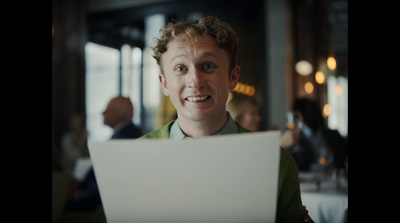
(331, 63)
(303, 67)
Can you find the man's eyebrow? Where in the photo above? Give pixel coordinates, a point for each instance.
(204, 55)
(208, 54)
(178, 56)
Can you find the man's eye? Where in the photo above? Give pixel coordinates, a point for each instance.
(180, 68)
(209, 66)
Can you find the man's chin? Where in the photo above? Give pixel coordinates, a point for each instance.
(197, 115)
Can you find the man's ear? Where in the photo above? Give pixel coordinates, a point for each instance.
(234, 77)
(164, 86)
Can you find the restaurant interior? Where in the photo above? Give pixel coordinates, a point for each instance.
(287, 50)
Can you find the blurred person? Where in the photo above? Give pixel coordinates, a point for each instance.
(245, 110)
(198, 67)
(74, 142)
(312, 135)
(118, 115)
(85, 195)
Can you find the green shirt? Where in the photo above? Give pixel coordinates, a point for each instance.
(289, 200)
(230, 128)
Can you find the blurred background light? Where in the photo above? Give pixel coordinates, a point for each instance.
(338, 90)
(309, 87)
(331, 63)
(303, 67)
(245, 89)
(320, 77)
(327, 110)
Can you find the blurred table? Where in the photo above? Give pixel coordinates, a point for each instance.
(325, 203)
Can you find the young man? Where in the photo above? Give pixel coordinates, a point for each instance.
(198, 69)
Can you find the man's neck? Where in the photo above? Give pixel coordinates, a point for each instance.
(203, 128)
(118, 126)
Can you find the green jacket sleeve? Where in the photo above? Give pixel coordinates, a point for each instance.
(289, 197)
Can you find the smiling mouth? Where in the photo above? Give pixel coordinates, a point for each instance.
(200, 98)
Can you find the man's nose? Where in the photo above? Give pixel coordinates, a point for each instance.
(195, 78)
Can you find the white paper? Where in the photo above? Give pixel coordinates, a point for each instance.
(230, 178)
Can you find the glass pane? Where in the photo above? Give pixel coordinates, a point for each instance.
(338, 99)
(102, 73)
(131, 78)
(151, 84)
(136, 84)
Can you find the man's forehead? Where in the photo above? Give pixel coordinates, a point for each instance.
(205, 47)
(182, 42)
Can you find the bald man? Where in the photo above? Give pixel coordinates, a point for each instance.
(118, 115)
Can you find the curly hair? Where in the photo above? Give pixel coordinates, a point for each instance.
(191, 30)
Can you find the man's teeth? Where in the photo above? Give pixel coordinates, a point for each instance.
(197, 98)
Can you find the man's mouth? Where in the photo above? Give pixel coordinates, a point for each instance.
(199, 98)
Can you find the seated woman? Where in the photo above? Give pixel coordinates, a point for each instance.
(245, 110)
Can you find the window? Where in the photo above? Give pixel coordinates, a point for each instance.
(131, 79)
(102, 84)
(337, 98)
(129, 72)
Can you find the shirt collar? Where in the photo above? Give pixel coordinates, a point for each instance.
(230, 128)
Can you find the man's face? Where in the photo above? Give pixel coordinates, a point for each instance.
(197, 78)
(111, 115)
